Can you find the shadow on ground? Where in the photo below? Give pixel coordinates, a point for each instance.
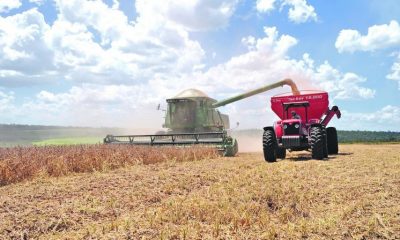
(307, 156)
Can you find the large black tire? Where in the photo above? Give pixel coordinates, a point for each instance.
(269, 145)
(325, 142)
(231, 150)
(317, 142)
(333, 147)
(281, 153)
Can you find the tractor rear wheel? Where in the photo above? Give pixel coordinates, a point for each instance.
(317, 143)
(332, 140)
(325, 142)
(281, 153)
(269, 145)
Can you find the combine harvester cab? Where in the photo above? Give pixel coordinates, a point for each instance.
(302, 126)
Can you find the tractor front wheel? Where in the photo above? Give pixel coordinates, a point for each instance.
(269, 145)
(332, 140)
(317, 142)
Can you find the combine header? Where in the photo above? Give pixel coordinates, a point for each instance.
(192, 118)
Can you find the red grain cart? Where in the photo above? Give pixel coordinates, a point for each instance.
(304, 118)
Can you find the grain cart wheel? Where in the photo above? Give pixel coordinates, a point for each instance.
(317, 142)
(325, 142)
(269, 145)
(281, 153)
(332, 140)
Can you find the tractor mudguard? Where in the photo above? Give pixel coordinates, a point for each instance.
(278, 129)
(268, 128)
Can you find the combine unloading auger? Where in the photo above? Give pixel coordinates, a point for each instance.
(192, 118)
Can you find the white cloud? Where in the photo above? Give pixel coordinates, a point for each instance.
(266, 61)
(378, 37)
(299, 10)
(97, 105)
(387, 118)
(25, 56)
(395, 71)
(7, 5)
(6, 102)
(119, 70)
(265, 6)
(37, 2)
(199, 14)
(344, 85)
(91, 42)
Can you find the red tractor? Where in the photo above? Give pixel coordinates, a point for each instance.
(302, 126)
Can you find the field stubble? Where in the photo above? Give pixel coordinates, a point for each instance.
(352, 195)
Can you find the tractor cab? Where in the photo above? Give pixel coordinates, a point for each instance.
(295, 117)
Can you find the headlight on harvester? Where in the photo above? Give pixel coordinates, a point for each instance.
(284, 126)
(296, 125)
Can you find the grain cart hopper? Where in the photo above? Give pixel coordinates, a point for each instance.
(302, 126)
(192, 118)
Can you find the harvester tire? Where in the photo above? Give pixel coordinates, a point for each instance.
(281, 153)
(317, 143)
(269, 145)
(333, 147)
(231, 150)
(325, 142)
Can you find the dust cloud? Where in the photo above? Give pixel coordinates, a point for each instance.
(249, 140)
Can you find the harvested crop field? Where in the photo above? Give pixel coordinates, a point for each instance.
(352, 195)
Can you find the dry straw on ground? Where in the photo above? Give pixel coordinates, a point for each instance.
(354, 195)
(21, 163)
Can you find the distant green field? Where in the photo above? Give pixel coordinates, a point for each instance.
(68, 141)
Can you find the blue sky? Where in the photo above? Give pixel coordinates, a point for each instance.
(109, 63)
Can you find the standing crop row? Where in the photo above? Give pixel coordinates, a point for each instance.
(21, 163)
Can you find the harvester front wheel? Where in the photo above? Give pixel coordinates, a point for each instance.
(269, 145)
(281, 153)
(333, 147)
(231, 149)
(317, 143)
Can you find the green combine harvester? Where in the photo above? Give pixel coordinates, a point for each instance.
(192, 118)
